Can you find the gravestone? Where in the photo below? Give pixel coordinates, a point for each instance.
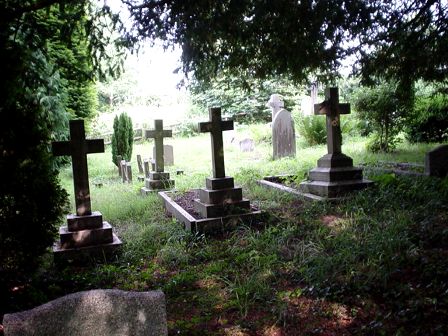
(99, 312)
(247, 145)
(139, 163)
(146, 167)
(119, 158)
(436, 162)
(168, 154)
(283, 135)
(276, 104)
(335, 175)
(129, 172)
(158, 179)
(86, 233)
(220, 197)
(123, 171)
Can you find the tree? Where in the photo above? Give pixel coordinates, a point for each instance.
(33, 110)
(258, 38)
(122, 138)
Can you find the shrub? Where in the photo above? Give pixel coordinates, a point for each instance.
(312, 129)
(123, 138)
(429, 119)
(381, 106)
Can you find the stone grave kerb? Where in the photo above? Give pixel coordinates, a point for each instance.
(158, 133)
(215, 127)
(78, 147)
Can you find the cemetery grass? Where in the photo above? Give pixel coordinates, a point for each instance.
(374, 264)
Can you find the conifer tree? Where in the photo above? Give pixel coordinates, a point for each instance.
(122, 138)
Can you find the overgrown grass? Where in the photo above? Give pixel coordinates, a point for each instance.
(375, 253)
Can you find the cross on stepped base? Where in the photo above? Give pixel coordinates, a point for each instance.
(86, 234)
(220, 197)
(157, 180)
(335, 175)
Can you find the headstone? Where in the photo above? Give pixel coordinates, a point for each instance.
(123, 171)
(220, 197)
(128, 172)
(140, 165)
(283, 135)
(158, 179)
(119, 158)
(86, 233)
(168, 154)
(436, 162)
(276, 104)
(146, 167)
(335, 175)
(99, 312)
(247, 145)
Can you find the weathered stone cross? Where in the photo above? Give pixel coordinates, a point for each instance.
(216, 126)
(332, 109)
(158, 134)
(78, 147)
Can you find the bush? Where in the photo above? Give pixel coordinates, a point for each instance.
(383, 109)
(123, 138)
(429, 120)
(312, 129)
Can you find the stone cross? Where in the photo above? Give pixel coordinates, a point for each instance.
(158, 134)
(216, 126)
(276, 104)
(332, 109)
(78, 147)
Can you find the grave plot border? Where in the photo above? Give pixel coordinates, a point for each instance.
(275, 182)
(210, 226)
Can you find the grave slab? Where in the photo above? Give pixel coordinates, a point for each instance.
(99, 312)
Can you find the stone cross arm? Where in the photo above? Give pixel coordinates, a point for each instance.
(331, 106)
(61, 148)
(154, 133)
(226, 125)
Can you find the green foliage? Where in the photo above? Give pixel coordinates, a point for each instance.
(429, 120)
(383, 108)
(123, 138)
(312, 129)
(243, 99)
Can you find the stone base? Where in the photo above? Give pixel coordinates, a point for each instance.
(93, 221)
(81, 238)
(212, 226)
(156, 182)
(333, 189)
(222, 209)
(334, 177)
(220, 198)
(101, 251)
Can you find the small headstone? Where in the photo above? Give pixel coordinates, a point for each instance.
(140, 165)
(283, 135)
(146, 167)
(276, 104)
(128, 172)
(168, 154)
(247, 145)
(100, 312)
(119, 158)
(179, 172)
(123, 171)
(436, 162)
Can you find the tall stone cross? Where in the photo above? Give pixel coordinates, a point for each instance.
(158, 133)
(78, 147)
(216, 126)
(332, 109)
